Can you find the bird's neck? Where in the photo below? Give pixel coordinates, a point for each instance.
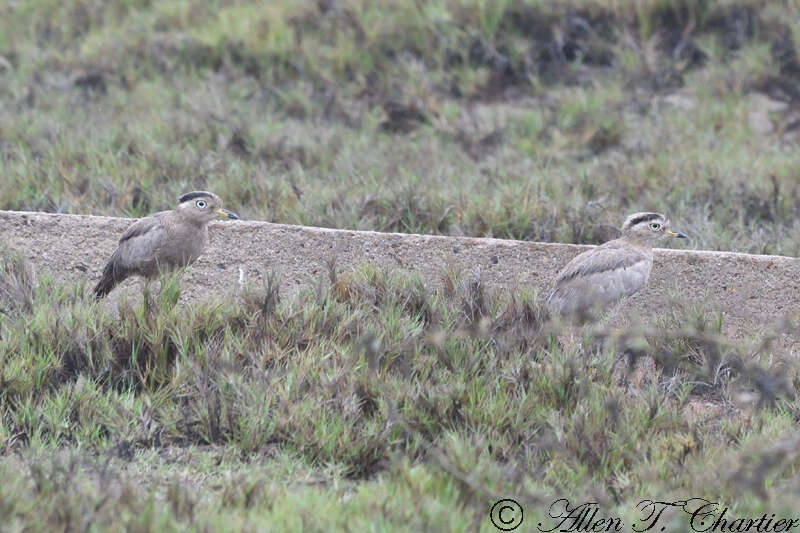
(195, 223)
(644, 244)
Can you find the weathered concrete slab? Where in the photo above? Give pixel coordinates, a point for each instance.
(752, 291)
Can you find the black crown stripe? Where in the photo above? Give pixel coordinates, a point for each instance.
(644, 218)
(192, 196)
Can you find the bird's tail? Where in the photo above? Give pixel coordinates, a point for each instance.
(111, 276)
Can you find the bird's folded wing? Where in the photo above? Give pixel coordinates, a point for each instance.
(599, 260)
(142, 226)
(140, 245)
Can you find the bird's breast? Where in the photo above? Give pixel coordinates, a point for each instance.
(184, 246)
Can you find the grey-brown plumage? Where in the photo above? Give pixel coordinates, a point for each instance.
(163, 241)
(599, 277)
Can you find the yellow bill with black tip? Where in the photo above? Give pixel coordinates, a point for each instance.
(224, 213)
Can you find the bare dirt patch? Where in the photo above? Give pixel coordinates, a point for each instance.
(754, 293)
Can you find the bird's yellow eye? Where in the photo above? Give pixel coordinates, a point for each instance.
(655, 226)
(201, 204)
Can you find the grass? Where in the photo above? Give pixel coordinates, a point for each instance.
(525, 120)
(372, 401)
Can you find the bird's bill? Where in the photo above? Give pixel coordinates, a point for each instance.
(224, 213)
(677, 234)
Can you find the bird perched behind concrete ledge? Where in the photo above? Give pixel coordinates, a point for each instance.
(163, 241)
(599, 277)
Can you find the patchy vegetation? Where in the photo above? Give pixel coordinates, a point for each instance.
(373, 401)
(528, 120)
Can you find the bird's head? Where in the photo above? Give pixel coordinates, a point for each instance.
(202, 207)
(648, 228)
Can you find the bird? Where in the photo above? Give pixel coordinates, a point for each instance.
(599, 277)
(163, 241)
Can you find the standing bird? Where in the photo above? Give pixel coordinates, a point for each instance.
(601, 276)
(164, 241)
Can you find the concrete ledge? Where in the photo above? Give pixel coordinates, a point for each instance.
(752, 291)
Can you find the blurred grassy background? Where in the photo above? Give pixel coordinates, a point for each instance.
(373, 402)
(527, 120)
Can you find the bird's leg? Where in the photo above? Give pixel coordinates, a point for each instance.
(574, 340)
(170, 287)
(570, 339)
(630, 344)
(147, 295)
